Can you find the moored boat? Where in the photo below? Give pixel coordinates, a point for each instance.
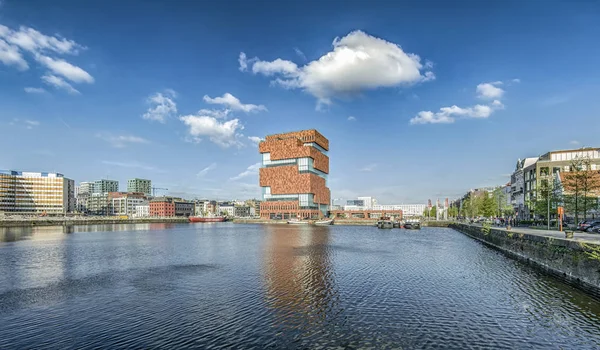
(324, 222)
(206, 219)
(412, 225)
(297, 222)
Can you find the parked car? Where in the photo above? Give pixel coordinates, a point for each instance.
(583, 225)
(595, 229)
(593, 225)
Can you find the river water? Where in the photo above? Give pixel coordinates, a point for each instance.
(154, 286)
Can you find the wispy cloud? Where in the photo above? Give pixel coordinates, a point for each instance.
(351, 118)
(132, 164)
(27, 123)
(369, 167)
(205, 171)
(120, 141)
(574, 143)
(255, 139)
(251, 170)
(34, 90)
(300, 53)
(555, 100)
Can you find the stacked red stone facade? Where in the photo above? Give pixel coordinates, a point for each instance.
(287, 179)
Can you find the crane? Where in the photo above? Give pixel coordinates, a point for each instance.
(157, 188)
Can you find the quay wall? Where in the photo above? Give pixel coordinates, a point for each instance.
(574, 262)
(86, 221)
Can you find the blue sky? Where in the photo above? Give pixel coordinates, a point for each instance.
(443, 96)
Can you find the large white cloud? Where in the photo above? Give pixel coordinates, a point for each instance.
(43, 49)
(162, 107)
(357, 62)
(233, 103)
(224, 134)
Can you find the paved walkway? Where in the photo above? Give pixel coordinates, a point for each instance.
(577, 236)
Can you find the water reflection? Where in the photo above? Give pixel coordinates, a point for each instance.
(14, 234)
(299, 279)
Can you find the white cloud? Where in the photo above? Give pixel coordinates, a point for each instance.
(357, 62)
(67, 70)
(121, 141)
(10, 56)
(34, 90)
(234, 103)
(575, 143)
(59, 83)
(32, 122)
(368, 168)
(447, 115)
(255, 139)
(205, 171)
(224, 134)
(162, 106)
(243, 61)
(497, 104)
(489, 91)
(131, 164)
(516, 80)
(351, 118)
(251, 170)
(33, 41)
(14, 43)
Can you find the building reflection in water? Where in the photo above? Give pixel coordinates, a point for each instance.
(299, 279)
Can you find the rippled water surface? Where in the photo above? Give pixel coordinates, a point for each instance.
(277, 286)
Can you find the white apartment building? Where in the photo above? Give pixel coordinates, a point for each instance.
(142, 211)
(36, 193)
(229, 209)
(370, 203)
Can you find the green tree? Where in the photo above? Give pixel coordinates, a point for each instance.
(452, 212)
(487, 205)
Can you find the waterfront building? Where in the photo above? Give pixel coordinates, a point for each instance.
(254, 205)
(124, 203)
(36, 193)
(140, 185)
(142, 211)
(227, 209)
(517, 187)
(201, 207)
(162, 207)
(98, 204)
(242, 211)
(85, 188)
(362, 204)
(183, 207)
(105, 186)
(293, 175)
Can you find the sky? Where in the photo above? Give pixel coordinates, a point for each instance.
(419, 99)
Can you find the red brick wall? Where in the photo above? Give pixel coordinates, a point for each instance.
(162, 209)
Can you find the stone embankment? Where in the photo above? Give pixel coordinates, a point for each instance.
(574, 260)
(99, 220)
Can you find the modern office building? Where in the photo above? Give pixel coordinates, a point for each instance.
(105, 186)
(97, 204)
(36, 193)
(140, 185)
(293, 176)
(85, 188)
(183, 207)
